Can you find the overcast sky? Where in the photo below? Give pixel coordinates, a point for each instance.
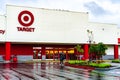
(104, 11)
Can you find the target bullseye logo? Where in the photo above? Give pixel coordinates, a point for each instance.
(26, 18)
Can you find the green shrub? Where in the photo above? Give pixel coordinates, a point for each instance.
(83, 62)
(93, 64)
(101, 65)
(116, 61)
(71, 61)
(104, 65)
(79, 62)
(96, 65)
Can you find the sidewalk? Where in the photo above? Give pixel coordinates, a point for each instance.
(115, 64)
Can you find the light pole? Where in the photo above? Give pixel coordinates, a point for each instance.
(90, 40)
(90, 36)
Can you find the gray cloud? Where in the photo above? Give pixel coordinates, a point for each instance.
(95, 9)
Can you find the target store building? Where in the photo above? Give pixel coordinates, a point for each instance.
(26, 32)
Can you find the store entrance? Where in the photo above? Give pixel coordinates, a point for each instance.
(37, 54)
(52, 53)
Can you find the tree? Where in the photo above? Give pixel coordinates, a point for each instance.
(92, 52)
(96, 51)
(101, 48)
(79, 49)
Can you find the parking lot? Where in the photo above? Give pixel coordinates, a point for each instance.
(48, 71)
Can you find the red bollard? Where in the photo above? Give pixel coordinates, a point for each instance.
(15, 59)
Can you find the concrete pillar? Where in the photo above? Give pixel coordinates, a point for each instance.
(116, 54)
(67, 55)
(86, 51)
(7, 51)
(43, 53)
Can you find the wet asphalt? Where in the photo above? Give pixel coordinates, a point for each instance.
(52, 71)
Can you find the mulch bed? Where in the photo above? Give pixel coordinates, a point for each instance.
(79, 66)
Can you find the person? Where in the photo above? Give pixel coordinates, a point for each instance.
(39, 54)
(62, 57)
(34, 56)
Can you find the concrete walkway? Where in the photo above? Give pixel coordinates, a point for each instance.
(115, 64)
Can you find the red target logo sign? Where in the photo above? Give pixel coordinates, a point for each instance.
(26, 18)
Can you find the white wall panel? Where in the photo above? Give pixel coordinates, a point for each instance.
(106, 33)
(119, 49)
(58, 27)
(118, 32)
(50, 26)
(110, 50)
(2, 28)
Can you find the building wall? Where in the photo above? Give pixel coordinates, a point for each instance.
(106, 33)
(119, 49)
(110, 50)
(51, 26)
(54, 26)
(2, 49)
(118, 35)
(110, 53)
(2, 28)
(118, 32)
(21, 49)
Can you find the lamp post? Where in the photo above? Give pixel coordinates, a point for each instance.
(90, 36)
(90, 40)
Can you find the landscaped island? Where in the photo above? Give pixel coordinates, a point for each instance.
(95, 64)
